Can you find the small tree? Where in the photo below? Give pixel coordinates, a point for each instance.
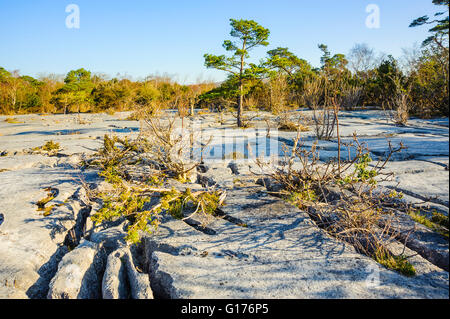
(334, 65)
(249, 35)
(147, 97)
(75, 95)
(293, 71)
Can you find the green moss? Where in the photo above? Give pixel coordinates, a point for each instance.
(133, 237)
(397, 263)
(12, 121)
(155, 180)
(50, 146)
(51, 194)
(175, 202)
(128, 204)
(438, 223)
(421, 219)
(176, 209)
(48, 210)
(440, 219)
(112, 175)
(300, 198)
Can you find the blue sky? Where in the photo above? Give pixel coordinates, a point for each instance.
(142, 37)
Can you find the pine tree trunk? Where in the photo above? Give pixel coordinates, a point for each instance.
(241, 89)
(240, 106)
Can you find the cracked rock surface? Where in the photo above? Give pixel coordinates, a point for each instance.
(258, 247)
(271, 250)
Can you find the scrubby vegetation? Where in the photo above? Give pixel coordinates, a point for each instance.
(82, 91)
(50, 148)
(342, 197)
(138, 170)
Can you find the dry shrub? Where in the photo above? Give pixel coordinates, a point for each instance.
(279, 93)
(351, 97)
(312, 92)
(398, 105)
(174, 151)
(326, 98)
(156, 157)
(339, 196)
(287, 122)
(315, 97)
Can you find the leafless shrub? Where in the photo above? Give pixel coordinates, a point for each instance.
(169, 148)
(361, 59)
(315, 97)
(340, 196)
(398, 105)
(325, 121)
(351, 97)
(326, 98)
(312, 92)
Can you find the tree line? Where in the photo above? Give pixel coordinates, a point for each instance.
(416, 85)
(81, 91)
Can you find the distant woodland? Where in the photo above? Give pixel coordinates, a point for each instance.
(416, 83)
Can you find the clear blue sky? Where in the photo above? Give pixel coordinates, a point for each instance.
(142, 37)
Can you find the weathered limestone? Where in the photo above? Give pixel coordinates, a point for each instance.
(122, 280)
(270, 250)
(111, 235)
(30, 243)
(12, 163)
(114, 285)
(241, 167)
(216, 175)
(78, 274)
(260, 247)
(139, 282)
